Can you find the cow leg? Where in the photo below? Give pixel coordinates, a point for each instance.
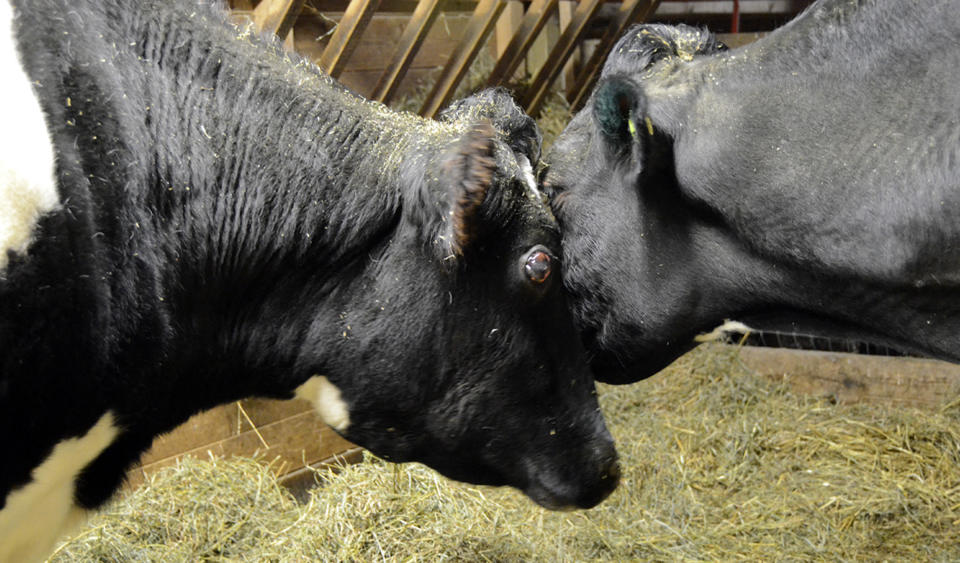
(39, 513)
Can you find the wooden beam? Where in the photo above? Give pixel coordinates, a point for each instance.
(514, 53)
(853, 378)
(631, 11)
(568, 75)
(413, 36)
(277, 16)
(346, 36)
(507, 25)
(290, 430)
(480, 26)
(569, 39)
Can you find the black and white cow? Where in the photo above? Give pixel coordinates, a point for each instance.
(188, 216)
(807, 182)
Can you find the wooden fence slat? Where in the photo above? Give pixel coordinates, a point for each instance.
(413, 36)
(630, 11)
(480, 26)
(347, 35)
(299, 439)
(276, 16)
(531, 26)
(569, 39)
(220, 423)
(853, 378)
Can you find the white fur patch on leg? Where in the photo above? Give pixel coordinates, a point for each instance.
(27, 185)
(43, 511)
(325, 397)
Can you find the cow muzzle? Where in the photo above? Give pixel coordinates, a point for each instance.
(569, 488)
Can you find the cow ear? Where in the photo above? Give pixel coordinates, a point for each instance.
(470, 170)
(618, 110)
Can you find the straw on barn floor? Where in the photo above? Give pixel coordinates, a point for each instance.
(718, 464)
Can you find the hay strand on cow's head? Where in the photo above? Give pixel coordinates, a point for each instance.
(718, 464)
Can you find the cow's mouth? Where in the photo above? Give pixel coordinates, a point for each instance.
(556, 494)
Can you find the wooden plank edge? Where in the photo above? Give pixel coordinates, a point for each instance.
(854, 378)
(569, 39)
(347, 35)
(479, 28)
(530, 27)
(409, 44)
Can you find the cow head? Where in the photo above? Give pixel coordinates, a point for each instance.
(455, 346)
(632, 251)
(698, 186)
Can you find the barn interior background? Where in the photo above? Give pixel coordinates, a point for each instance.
(417, 56)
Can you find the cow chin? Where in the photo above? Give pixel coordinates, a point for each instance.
(550, 493)
(621, 363)
(552, 486)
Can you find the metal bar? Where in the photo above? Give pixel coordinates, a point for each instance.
(569, 39)
(413, 36)
(479, 27)
(346, 36)
(530, 27)
(631, 11)
(276, 16)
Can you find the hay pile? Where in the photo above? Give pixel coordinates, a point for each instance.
(718, 465)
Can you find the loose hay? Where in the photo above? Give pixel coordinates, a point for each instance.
(718, 465)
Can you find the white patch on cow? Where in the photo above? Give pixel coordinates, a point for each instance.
(325, 397)
(39, 513)
(723, 331)
(528, 178)
(27, 186)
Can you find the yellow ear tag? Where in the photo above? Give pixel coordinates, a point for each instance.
(632, 127)
(649, 126)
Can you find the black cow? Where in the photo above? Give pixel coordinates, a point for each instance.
(189, 216)
(806, 182)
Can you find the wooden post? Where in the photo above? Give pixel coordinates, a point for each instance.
(852, 378)
(513, 54)
(543, 44)
(413, 36)
(345, 38)
(478, 29)
(630, 11)
(569, 73)
(569, 39)
(277, 16)
(507, 26)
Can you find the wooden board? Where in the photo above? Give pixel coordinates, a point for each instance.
(376, 50)
(406, 50)
(289, 430)
(474, 36)
(853, 378)
(561, 52)
(347, 36)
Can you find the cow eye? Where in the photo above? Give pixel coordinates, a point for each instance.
(538, 265)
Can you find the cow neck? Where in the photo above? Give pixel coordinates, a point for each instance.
(270, 187)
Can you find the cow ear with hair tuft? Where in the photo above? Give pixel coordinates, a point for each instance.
(471, 169)
(618, 110)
